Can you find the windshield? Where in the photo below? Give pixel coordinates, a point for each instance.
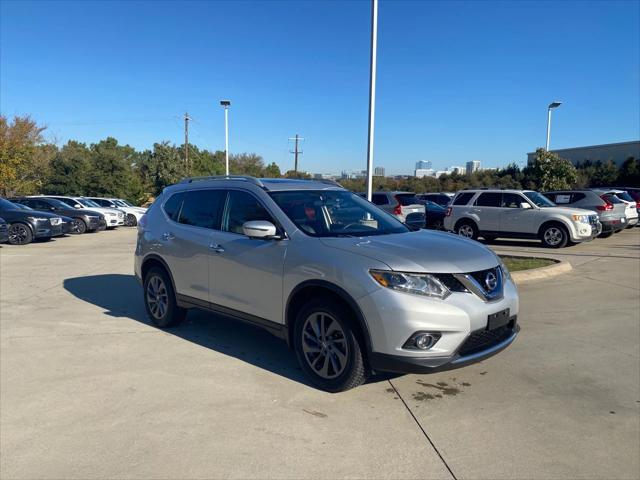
(122, 203)
(335, 213)
(88, 203)
(7, 205)
(539, 199)
(22, 207)
(54, 202)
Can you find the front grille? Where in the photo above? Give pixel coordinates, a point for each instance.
(3, 227)
(481, 275)
(484, 339)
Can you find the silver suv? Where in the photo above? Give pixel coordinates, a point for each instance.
(349, 287)
(519, 214)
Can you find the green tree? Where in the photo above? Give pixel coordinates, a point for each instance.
(24, 159)
(604, 174)
(70, 170)
(246, 164)
(552, 172)
(161, 167)
(272, 171)
(629, 175)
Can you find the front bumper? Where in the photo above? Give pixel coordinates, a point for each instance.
(399, 364)
(46, 230)
(393, 317)
(4, 234)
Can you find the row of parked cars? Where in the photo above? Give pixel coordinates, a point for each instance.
(42, 217)
(557, 218)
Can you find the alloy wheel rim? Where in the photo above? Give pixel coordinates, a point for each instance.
(324, 345)
(157, 297)
(466, 231)
(75, 226)
(553, 236)
(17, 234)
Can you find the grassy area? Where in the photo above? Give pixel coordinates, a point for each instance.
(515, 264)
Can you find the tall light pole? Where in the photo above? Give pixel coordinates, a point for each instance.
(552, 105)
(372, 94)
(226, 104)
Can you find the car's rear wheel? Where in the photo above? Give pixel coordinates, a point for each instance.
(130, 220)
(327, 347)
(554, 236)
(467, 229)
(78, 226)
(20, 234)
(160, 299)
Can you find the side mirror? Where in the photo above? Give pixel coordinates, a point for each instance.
(259, 229)
(77, 205)
(52, 209)
(525, 205)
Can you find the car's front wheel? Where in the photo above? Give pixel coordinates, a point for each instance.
(554, 236)
(78, 226)
(20, 234)
(327, 347)
(130, 220)
(160, 299)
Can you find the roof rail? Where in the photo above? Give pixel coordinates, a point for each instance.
(245, 178)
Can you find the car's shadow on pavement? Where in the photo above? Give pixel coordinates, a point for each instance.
(121, 296)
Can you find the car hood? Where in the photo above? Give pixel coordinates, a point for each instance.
(420, 251)
(10, 215)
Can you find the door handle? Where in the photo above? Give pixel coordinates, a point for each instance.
(168, 236)
(216, 248)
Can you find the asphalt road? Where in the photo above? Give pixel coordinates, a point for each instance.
(88, 389)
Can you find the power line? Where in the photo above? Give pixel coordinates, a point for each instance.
(296, 151)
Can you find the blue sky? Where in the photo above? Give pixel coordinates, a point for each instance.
(457, 81)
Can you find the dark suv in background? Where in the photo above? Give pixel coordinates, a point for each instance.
(83, 220)
(26, 225)
(611, 212)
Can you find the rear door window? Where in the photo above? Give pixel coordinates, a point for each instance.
(489, 199)
(202, 208)
(463, 198)
(243, 207)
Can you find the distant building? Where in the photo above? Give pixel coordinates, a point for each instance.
(458, 170)
(423, 165)
(424, 172)
(353, 174)
(473, 166)
(616, 152)
(378, 171)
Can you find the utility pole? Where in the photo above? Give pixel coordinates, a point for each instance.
(372, 95)
(296, 151)
(186, 141)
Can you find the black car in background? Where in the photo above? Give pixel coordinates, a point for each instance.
(441, 199)
(82, 220)
(26, 225)
(67, 222)
(4, 231)
(434, 214)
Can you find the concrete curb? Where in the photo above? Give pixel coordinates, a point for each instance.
(526, 276)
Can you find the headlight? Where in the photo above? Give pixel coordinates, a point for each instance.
(580, 218)
(55, 221)
(505, 270)
(37, 219)
(416, 283)
(93, 217)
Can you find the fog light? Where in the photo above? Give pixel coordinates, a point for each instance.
(422, 341)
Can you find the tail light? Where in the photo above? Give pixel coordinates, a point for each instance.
(397, 210)
(638, 204)
(608, 205)
(448, 214)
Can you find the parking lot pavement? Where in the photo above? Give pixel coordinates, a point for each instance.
(89, 389)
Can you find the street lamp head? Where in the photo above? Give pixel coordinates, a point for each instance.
(554, 105)
(225, 103)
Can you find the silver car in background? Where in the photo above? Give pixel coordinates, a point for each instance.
(405, 206)
(350, 288)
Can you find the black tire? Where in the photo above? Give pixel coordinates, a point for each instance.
(629, 226)
(339, 354)
(130, 220)
(78, 226)
(554, 235)
(20, 234)
(606, 234)
(164, 312)
(467, 229)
